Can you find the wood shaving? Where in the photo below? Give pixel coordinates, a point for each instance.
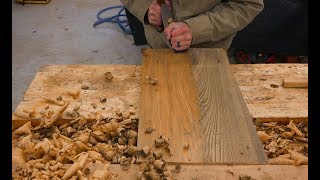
(103, 100)
(149, 130)
(229, 172)
(108, 76)
(245, 177)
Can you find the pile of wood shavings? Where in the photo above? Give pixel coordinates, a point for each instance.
(156, 167)
(284, 144)
(71, 150)
(44, 153)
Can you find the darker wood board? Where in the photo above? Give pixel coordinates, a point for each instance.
(196, 103)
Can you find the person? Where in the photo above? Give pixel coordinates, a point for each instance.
(197, 23)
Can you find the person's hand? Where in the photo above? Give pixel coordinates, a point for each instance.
(154, 13)
(180, 35)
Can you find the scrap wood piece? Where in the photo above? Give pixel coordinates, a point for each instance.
(194, 104)
(295, 83)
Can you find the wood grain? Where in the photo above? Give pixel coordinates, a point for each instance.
(224, 132)
(171, 106)
(229, 133)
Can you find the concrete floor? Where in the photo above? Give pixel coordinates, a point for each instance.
(61, 32)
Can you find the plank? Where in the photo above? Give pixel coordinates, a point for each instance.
(190, 83)
(267, 103)
(219, 172)
(264, 102)
(171, 106)
(229, 133)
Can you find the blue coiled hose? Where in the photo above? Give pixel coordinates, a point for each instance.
(123, 24)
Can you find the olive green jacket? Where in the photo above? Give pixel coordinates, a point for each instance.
(213, 23)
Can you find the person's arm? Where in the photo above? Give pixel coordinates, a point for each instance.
(138, 8)
(225, 19)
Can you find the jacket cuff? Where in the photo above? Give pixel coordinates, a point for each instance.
(199, 32)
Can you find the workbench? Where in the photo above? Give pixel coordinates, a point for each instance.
(260, 84)
(264, 102)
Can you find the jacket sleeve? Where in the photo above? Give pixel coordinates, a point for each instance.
(225, 19)
(137, 7)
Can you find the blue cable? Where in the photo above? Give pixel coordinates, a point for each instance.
(114, 19)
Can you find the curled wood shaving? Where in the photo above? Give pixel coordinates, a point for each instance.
(74, 93)
(263, 136)
(76, 166)
(301, 139)
(53, 100)
(22, 114)
(149, 130)
(294, 128)
(25, 129)
(108, 76)
(50, 122)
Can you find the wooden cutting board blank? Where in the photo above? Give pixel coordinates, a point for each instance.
(196, 103)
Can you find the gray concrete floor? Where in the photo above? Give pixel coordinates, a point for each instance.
(61, 32)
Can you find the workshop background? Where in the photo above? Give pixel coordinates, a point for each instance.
(62, 32)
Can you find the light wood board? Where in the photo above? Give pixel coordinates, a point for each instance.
(171, 106)
(198, 81)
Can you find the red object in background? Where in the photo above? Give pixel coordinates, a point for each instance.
(243, 57)
(293, 59)
(271, 59)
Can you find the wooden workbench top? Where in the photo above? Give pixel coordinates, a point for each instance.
(260, 84)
